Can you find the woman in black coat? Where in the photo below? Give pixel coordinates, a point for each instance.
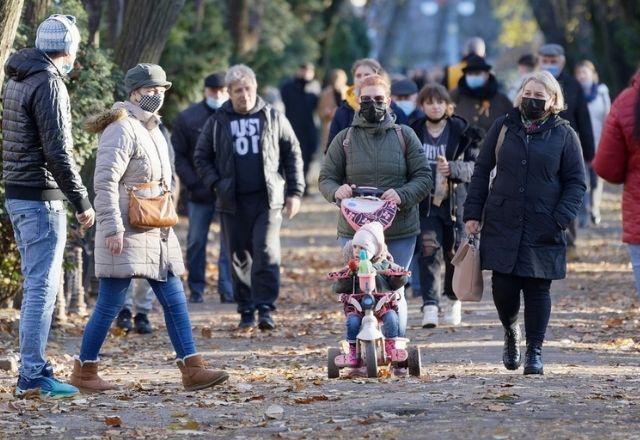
(537, 192)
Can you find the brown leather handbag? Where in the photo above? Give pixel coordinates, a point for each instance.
(151, 212)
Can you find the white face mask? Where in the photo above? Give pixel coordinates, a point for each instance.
(215, 103)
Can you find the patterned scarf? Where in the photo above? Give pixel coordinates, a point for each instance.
(531, 126)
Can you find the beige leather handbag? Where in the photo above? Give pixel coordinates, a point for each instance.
(467, 274)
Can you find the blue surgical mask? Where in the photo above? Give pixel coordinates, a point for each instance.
(553, 69)
(215, 103)
(475, 81)
(66, 68)
(406, 106)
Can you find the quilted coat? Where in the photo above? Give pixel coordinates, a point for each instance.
(37, 148)
(618, 157)
(132, 151)
(537, 192)
(375, 158)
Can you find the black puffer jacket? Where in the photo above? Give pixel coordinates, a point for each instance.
(281, 157)
(37, 148)
(186, 131)
(537, 192)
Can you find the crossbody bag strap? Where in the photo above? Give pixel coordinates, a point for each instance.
(153, 182)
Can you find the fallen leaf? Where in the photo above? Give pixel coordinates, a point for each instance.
(207, 333)
(310, 399)
(114, 421)
(497, 408)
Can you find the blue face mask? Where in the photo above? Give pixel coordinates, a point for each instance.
(406, 106)
(475, 81)
(553, 69)
(215, 103)
(66, 68)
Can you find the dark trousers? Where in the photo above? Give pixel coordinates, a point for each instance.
(436, 245)
(252, 236)
(537, 303)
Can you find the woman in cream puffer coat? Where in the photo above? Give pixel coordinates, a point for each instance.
(133, 152)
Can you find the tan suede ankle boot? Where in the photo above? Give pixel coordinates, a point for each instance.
(196, 377)
(85, 377)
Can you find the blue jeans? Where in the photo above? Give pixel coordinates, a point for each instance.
(200, 218)
(634, 252)
(111, 296)
(390, 325)
(402, 251)
(40, 230)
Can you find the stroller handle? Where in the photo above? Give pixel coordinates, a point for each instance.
(367, 191)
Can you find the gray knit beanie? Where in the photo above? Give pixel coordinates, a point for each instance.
(58, 33)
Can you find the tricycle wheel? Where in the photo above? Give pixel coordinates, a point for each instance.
(413, 360)
(371, 358)
(332, 369)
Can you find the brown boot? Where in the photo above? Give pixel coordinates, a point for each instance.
(195, 376)
(85, 377)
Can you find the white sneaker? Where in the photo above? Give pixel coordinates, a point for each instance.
(430, 316)
(453, 313)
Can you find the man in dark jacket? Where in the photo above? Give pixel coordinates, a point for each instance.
(39, 172)
(249, 155)
(184, 138)
(300, 98)
(477, 97)
(552, 59)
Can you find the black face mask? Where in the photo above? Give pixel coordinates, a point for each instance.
(372, 111)
(533, 108)
(435, 121)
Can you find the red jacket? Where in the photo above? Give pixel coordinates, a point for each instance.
(618, 158)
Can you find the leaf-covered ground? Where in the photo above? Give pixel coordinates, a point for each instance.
(278, 386)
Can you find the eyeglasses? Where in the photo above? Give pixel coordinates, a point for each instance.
(377, 99)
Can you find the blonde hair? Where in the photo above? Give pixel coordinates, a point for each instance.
(369, 62)
(550, 84)
(589, 65)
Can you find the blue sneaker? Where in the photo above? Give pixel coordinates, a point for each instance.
(47, 384)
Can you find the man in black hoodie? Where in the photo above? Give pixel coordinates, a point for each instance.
(39, 173)
(249, 155)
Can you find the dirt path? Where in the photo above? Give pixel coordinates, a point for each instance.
(591, 388)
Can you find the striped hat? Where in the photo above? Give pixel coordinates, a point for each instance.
(58, 33)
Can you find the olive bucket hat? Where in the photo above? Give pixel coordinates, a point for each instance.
(145, 75)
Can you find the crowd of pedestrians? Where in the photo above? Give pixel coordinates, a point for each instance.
(457, 158)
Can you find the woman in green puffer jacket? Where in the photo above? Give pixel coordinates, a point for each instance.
(382, 155)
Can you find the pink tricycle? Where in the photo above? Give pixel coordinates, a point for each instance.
(370, 343)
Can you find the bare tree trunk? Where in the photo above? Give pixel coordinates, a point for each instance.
(245, 25)
(34, 12)
(9, 18)
(94, 11)
(146, 28)
(199, 8)
(392, 36)
(551, 18)
(329, 16)
(116, 20)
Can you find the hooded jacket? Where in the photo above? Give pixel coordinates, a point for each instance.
(618, 157)
(132, 151)
(37, 147)
(281, 157)
(375, 158)
(537, 192)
